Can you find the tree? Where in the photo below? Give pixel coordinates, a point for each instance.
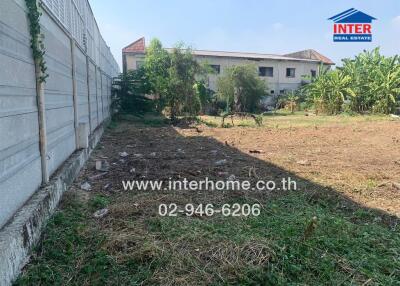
(181, 79)
(157, 63)
(375, 80)
(204, 94)
(241, 88)
(329, 91)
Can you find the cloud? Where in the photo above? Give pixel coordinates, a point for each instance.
(396, 22)
(277, 26)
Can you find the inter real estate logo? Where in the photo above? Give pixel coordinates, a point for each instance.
(352, 26)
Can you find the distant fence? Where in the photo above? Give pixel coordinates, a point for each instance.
(78, 90)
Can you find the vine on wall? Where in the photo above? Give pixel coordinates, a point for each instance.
(37, 44)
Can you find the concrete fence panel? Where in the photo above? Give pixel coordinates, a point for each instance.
(99, 96)
(93, 95)
(20, 169)
(82, 86)
(58, 93)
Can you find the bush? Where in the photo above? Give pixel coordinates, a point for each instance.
(370, 83)
(130, 91)
(241, 88)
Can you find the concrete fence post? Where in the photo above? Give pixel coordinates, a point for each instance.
(101, 96)
(74, 91)
(42, 121)
(97, 91)
(88, 91)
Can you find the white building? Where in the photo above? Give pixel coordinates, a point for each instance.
(281, 72)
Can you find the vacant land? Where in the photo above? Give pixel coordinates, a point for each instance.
(339, 227)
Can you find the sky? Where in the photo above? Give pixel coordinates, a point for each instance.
(272, 27)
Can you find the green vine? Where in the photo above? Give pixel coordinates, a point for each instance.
(37, 44)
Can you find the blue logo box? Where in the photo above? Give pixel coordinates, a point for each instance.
(352, 37)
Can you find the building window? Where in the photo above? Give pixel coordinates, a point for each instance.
(139, 64)
(290, 72)
(272, 91)
(266, 71)
(313, 73)
(216, 68)
(282, 91)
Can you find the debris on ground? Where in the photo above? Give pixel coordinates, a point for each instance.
(214, 152)
(256, 151)
(253, 173)
(153, 154)
(100, 213)
(180, 151)
(132, 170)
(102, 165)
(231, 178)
(221, 162)
(95, 177)
(138, 155)
(86, 186)
(304, 162)
(310, 228)
(123, 154)
(107, 186)
(397, 186)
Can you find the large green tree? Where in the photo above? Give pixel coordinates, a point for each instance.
(181, 78)
(157, 64)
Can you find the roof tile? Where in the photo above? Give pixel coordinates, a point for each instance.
(138, 46)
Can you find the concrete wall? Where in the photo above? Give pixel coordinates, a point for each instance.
(71, 38)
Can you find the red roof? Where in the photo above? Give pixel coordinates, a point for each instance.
(138, 46)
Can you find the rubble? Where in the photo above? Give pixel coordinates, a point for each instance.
(102, 165)
(100, 213)
(221, 162)
(86, 186)
(123, 154)
(231, 178)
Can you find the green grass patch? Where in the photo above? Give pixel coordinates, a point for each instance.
(71, 253)
(345, 248)
(283, 119)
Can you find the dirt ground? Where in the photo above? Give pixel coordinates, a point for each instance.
(360, 160)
